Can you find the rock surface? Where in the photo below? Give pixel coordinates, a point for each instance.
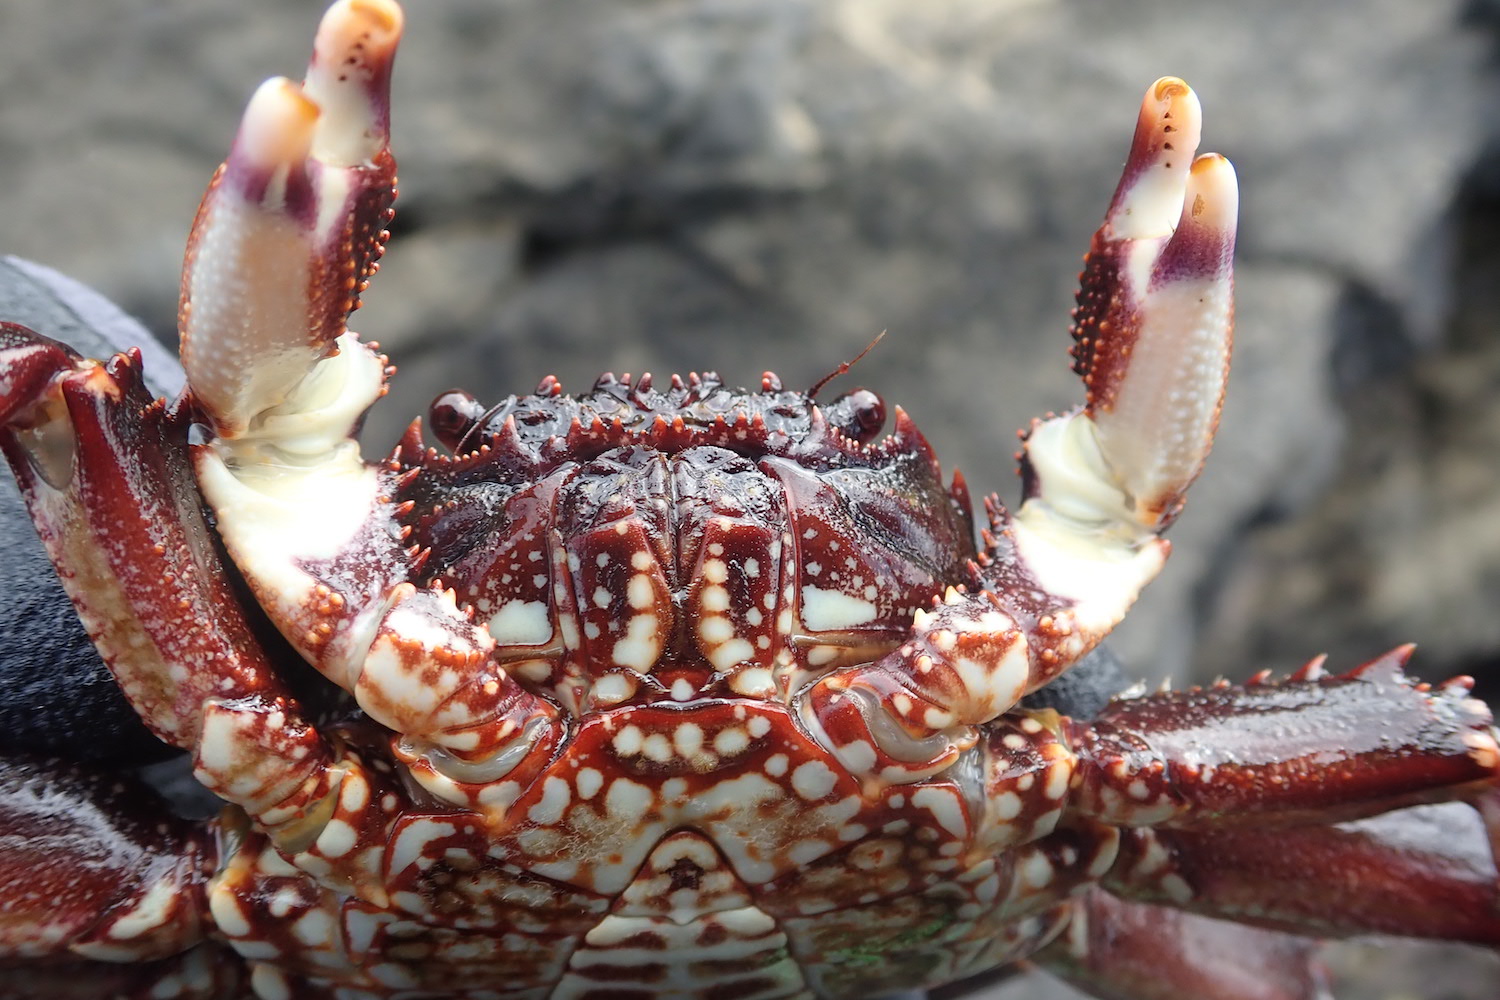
(742, 184)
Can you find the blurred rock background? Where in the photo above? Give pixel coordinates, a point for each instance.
(742, 184)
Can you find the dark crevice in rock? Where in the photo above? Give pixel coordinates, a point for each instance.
(1371, 340)
(605, 214)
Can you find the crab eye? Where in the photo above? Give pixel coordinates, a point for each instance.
(859, 414)
(452, 415)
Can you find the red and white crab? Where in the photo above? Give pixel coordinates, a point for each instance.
(672, 690)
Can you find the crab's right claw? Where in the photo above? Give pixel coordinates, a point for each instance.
(284, 242)
(292, 227)
(1153, 331)
(288, 235)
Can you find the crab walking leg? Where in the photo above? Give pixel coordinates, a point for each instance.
(104, 473)
(286, 238)
(95, 866)
(1229, 791)
(1422, 872)
(1134, 951)
(1310, 748)
(1153, 330)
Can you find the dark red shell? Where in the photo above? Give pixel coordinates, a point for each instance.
(705, 542)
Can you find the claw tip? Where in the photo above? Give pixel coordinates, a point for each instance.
(381, 16)
(1169, 87)
(1149, 199)
(1215, 189)
(278, 125)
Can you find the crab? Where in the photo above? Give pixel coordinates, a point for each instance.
(671, 689)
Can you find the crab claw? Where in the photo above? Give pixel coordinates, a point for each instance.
(286, 239)
(1155, 354)
(284, 242)
(1153, 331)
(292, 226)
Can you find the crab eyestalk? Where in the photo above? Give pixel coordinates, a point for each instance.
(286, 239)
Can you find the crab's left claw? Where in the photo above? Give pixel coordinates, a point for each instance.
(1153, 330)
(1152, 336)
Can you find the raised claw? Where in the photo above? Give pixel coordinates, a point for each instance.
(293, 224)
(1153, 330)
(288, 234)
(268, 361)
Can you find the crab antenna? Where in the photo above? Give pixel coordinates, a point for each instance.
(845, 366)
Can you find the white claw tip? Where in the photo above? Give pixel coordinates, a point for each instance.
(1148, 202)
(374, 23)
(1214, 192)
(277, 127)
(349, 77)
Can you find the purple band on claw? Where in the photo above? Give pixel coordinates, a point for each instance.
(292, 226)
(1203, 245)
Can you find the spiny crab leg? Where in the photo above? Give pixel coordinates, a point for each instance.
(107, 483)
(1153, 330)
(285, 240)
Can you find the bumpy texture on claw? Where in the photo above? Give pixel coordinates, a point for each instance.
(1153, 329)
(293, 223)
(288, 234)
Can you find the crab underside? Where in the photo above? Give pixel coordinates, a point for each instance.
(670, 689)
